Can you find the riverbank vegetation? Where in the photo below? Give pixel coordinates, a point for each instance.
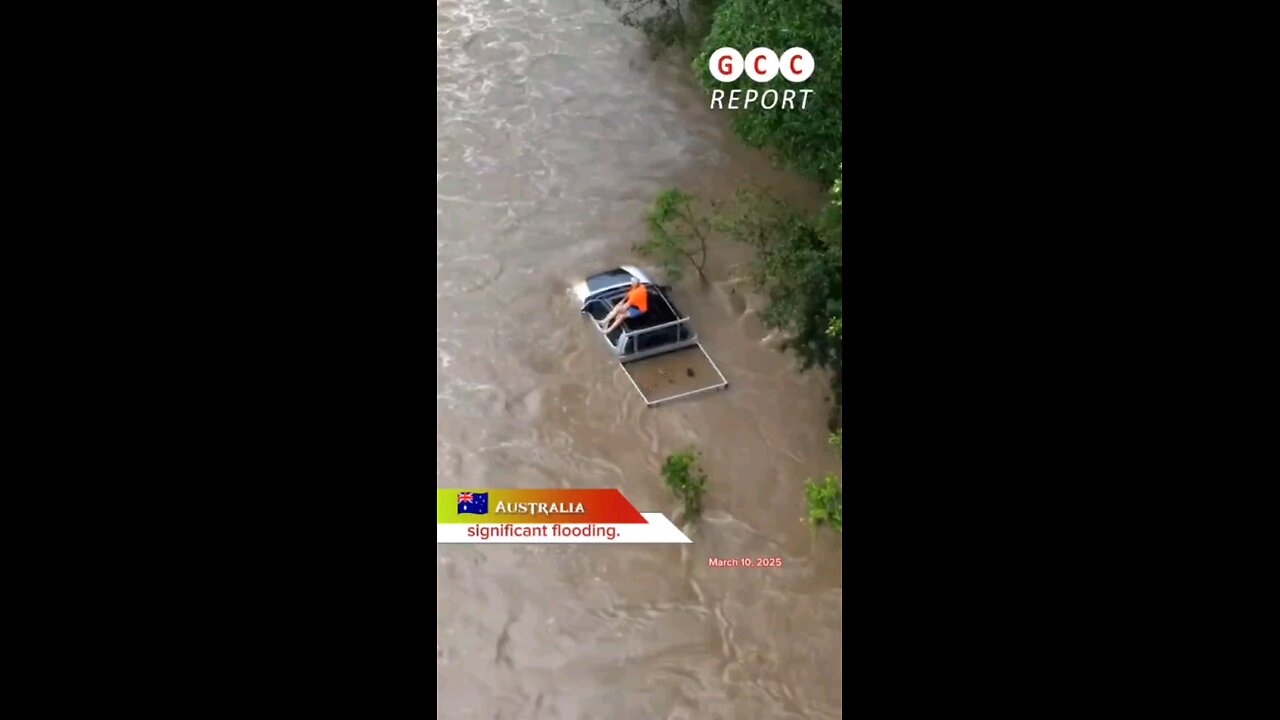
(798, 261)
(825, 499)
(808, 140)
(798, 266)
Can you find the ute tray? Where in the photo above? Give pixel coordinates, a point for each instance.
(677, 374)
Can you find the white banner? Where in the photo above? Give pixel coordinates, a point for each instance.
(659, 530)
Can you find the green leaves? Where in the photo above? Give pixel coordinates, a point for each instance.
(808, 140)
(825, 501)
(686, 480)
(798, 266)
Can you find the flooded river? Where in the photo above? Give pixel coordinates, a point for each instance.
(555, 129)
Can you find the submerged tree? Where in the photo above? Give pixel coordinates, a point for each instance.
(686, 480)
(677, 234)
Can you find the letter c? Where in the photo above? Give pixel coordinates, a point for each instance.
(797, 64)
(765, 56)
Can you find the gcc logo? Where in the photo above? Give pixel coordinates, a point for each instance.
(761, 64)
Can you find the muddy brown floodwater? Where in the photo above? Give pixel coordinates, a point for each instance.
(554, 132)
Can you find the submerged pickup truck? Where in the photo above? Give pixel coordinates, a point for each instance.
(659, 351)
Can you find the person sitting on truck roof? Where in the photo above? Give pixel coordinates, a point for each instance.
(635, 304)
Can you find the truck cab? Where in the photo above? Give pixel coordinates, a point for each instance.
(659, 351)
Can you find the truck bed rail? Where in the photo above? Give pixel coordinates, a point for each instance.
(674, 375)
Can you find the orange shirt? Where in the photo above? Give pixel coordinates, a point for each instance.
(638, 298)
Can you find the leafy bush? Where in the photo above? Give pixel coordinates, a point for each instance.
(826, 503)
(808, 140)
(826, 499)
(686, 480)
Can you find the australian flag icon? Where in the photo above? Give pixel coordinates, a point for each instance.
(473, 503)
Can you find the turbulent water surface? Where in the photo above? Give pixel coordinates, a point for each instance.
(555, 129)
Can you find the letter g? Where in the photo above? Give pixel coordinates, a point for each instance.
(725, 64)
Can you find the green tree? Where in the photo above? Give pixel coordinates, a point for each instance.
(798, 266)
(686, 480)
(808, 140)
(676, 234)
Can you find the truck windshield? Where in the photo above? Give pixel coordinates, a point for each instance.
(608, 279)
